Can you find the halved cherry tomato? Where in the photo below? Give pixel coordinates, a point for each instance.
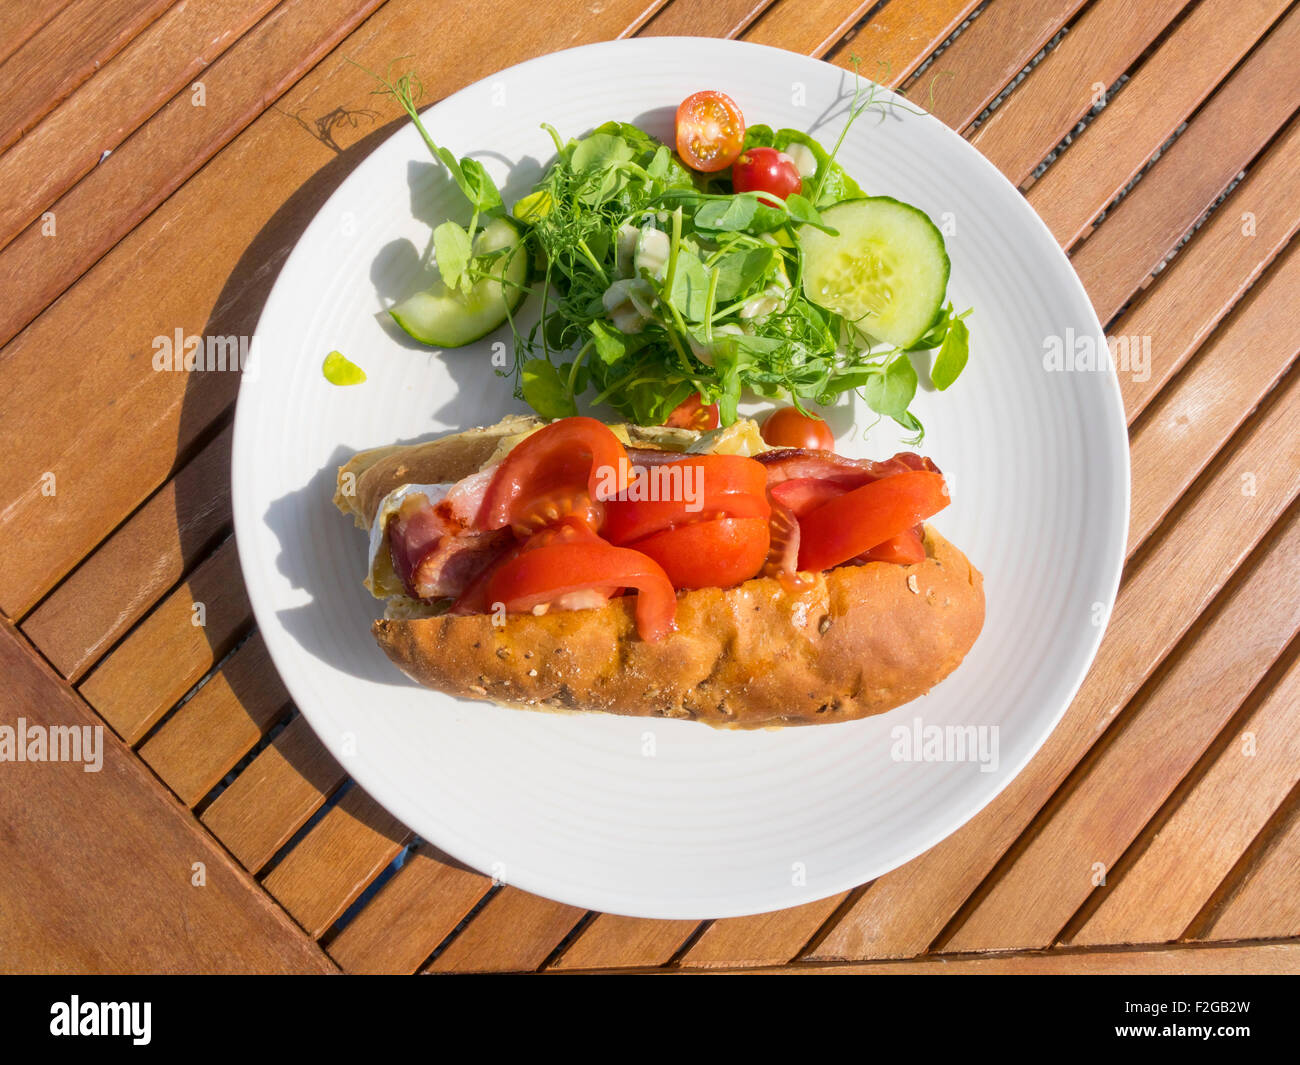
(691, 413)
(710, 131)
(786, 427)
(718, 485)
(765, 170)
(905, 549)
(859, 520)
(559, 470)
(543, 575)
(710, 554)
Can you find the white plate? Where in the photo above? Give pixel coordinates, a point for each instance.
(659, 818)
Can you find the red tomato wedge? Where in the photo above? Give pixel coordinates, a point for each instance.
(691, 413)
(692, 489)
(558, 471)
(905, 549)
(541, 576)
(710, 554)
(474, 599)
(857, 521)
(803, 495)
(710, 131)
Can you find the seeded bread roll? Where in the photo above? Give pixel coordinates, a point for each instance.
(859, 640)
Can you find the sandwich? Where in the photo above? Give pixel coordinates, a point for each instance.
(662, 572)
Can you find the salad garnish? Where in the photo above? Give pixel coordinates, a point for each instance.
(747, 261)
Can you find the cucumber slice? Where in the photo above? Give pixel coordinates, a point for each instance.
(448, 318)
(887, 271)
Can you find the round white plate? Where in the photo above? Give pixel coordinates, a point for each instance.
(661, 818)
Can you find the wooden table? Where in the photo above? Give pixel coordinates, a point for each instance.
(1157, 830)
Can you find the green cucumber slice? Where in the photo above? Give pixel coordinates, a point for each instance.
(449, 318)
(886, 271)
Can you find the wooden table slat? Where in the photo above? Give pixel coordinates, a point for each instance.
(611, 941)
(764, 939)
(1220, 141)
(1187, 424)
(336, 861)
(1198, 845)
(103, 207)
(169, 652)
(990, 52)
(224, 720)
(1266, 958)
(19, 21)
(903, 912)
(900, 36)
(1107, 39)
(1163, 93)
(274, 796)
(808, 26)
(161, 62)
(1209, 275)
(116, 585)
(1267, 903)
(719, 18)
(514, 931)
(104, 872)
(62, 54)
(1086, 832)
(410, 915)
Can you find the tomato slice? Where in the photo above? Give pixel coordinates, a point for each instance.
(474, 599)
(858, 520)
(691, 413)
(537, 578)
(692, 489)
(803, 495)
(710, 131)
(710, 554)
(905, 549)
(563, 469)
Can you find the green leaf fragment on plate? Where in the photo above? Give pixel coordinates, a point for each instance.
(953, 353)
(451, 247)
(339, 370)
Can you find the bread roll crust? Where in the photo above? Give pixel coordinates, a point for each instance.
(856, 641)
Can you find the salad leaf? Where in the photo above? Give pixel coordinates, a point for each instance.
(890, 391)
(953, 353)
(451, 246)
(545, 390)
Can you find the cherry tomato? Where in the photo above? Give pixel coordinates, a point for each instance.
(718, 486)
(691, 413)
(710, 554)
(765, 170)
(865, 517)
(786, 427)
(710, 131)
(545, 574)
(553, 473)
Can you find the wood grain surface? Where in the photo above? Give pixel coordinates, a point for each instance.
(1158, 827)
